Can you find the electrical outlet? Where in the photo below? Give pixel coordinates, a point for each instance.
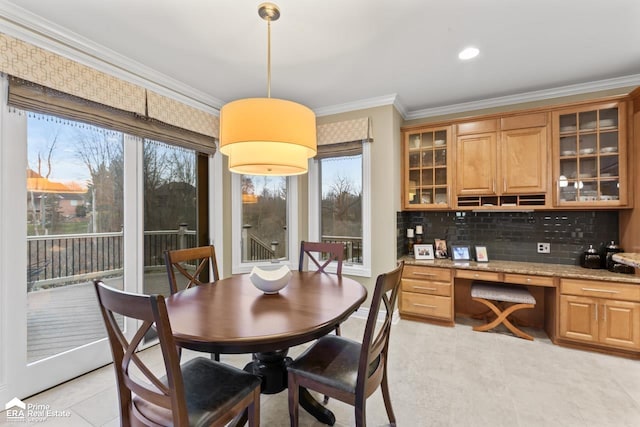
(544, 248)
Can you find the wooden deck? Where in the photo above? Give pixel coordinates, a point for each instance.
(67, 317)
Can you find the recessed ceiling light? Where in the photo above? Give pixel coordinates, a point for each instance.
(468, 53)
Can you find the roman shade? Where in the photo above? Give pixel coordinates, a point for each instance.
(45, 82)
(343, 138)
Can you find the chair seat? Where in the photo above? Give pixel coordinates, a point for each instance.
(332, 360)
(204, 404)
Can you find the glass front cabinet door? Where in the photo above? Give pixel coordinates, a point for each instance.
(427, 170)
(590, 152)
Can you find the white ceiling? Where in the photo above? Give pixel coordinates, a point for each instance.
(333, 54)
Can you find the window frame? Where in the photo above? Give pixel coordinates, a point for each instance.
(237, 265)
(315, 199)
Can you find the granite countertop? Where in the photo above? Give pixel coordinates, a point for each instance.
(627, 258)
(533, 268)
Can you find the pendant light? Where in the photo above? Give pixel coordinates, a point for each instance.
(267, 136)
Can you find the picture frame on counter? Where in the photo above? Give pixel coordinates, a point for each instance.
(460, 253)
(423, 251)
(441, 248)
(481, 254)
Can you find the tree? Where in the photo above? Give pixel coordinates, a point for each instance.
(103, 154)
(342, 209)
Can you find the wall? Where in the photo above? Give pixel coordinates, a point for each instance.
(512, 236)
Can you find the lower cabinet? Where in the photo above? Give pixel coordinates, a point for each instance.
(602, 313)
(427, 293)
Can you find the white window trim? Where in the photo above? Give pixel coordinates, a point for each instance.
(237, 266)
(315, 196)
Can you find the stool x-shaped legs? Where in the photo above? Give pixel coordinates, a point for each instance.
(502, 317)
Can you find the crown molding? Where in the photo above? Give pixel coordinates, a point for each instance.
(19, 23)
(540, 95)
(357, 105)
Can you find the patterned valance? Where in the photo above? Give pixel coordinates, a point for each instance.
(176, 113)
(345, 131)
(343, 138)
(36, 65)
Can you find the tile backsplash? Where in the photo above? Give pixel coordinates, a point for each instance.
(512, 236)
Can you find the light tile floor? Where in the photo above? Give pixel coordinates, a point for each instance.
(439, 376)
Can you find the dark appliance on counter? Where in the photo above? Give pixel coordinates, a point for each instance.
(611, 265)
(591, 258)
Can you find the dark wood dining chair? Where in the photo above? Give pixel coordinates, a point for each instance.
(348, 370)
(205, 259)
(315, 250)
(200, 392)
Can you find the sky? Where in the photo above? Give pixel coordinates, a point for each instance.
(66, 165)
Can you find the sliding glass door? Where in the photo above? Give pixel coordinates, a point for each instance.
(77, 203)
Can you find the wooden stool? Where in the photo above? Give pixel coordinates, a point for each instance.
(519, 297)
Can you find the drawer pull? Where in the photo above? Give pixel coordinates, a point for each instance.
(596, 313)
(424, 305)
(417, 273)
(528, 279)
(606, 291)
(426, 289)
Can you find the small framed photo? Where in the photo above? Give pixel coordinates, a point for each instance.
(441, 248)
(481, 254)
(423, 251)
(460, 253)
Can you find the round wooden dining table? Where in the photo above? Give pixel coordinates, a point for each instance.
(232, 316)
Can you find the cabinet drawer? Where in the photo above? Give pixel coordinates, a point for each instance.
(427, 287)
(526, 279)
(426, 273)
(490, 276)
(612, 290)
(426, 305)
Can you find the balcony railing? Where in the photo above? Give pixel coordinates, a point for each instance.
(352, 247)
(73, 258)
(55, 260)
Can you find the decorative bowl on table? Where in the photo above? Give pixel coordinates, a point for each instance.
(270, 280)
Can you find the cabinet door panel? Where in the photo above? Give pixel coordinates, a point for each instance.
(524, 160)
(579, 318)
(476, 164)
(620, 326)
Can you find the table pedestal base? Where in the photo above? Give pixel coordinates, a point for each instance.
(271, 366)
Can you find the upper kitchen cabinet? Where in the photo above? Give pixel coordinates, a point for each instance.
(590, 156)
(427, 168)
(503, 162)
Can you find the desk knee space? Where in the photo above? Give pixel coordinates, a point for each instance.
(492, 295)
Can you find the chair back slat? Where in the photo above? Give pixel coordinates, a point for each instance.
(314, 251)
(151, 311)
(376, 344)
(178, 259)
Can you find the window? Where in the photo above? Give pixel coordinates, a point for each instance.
(263, 224)
(339, 206)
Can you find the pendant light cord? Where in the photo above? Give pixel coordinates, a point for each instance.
(268, 57)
